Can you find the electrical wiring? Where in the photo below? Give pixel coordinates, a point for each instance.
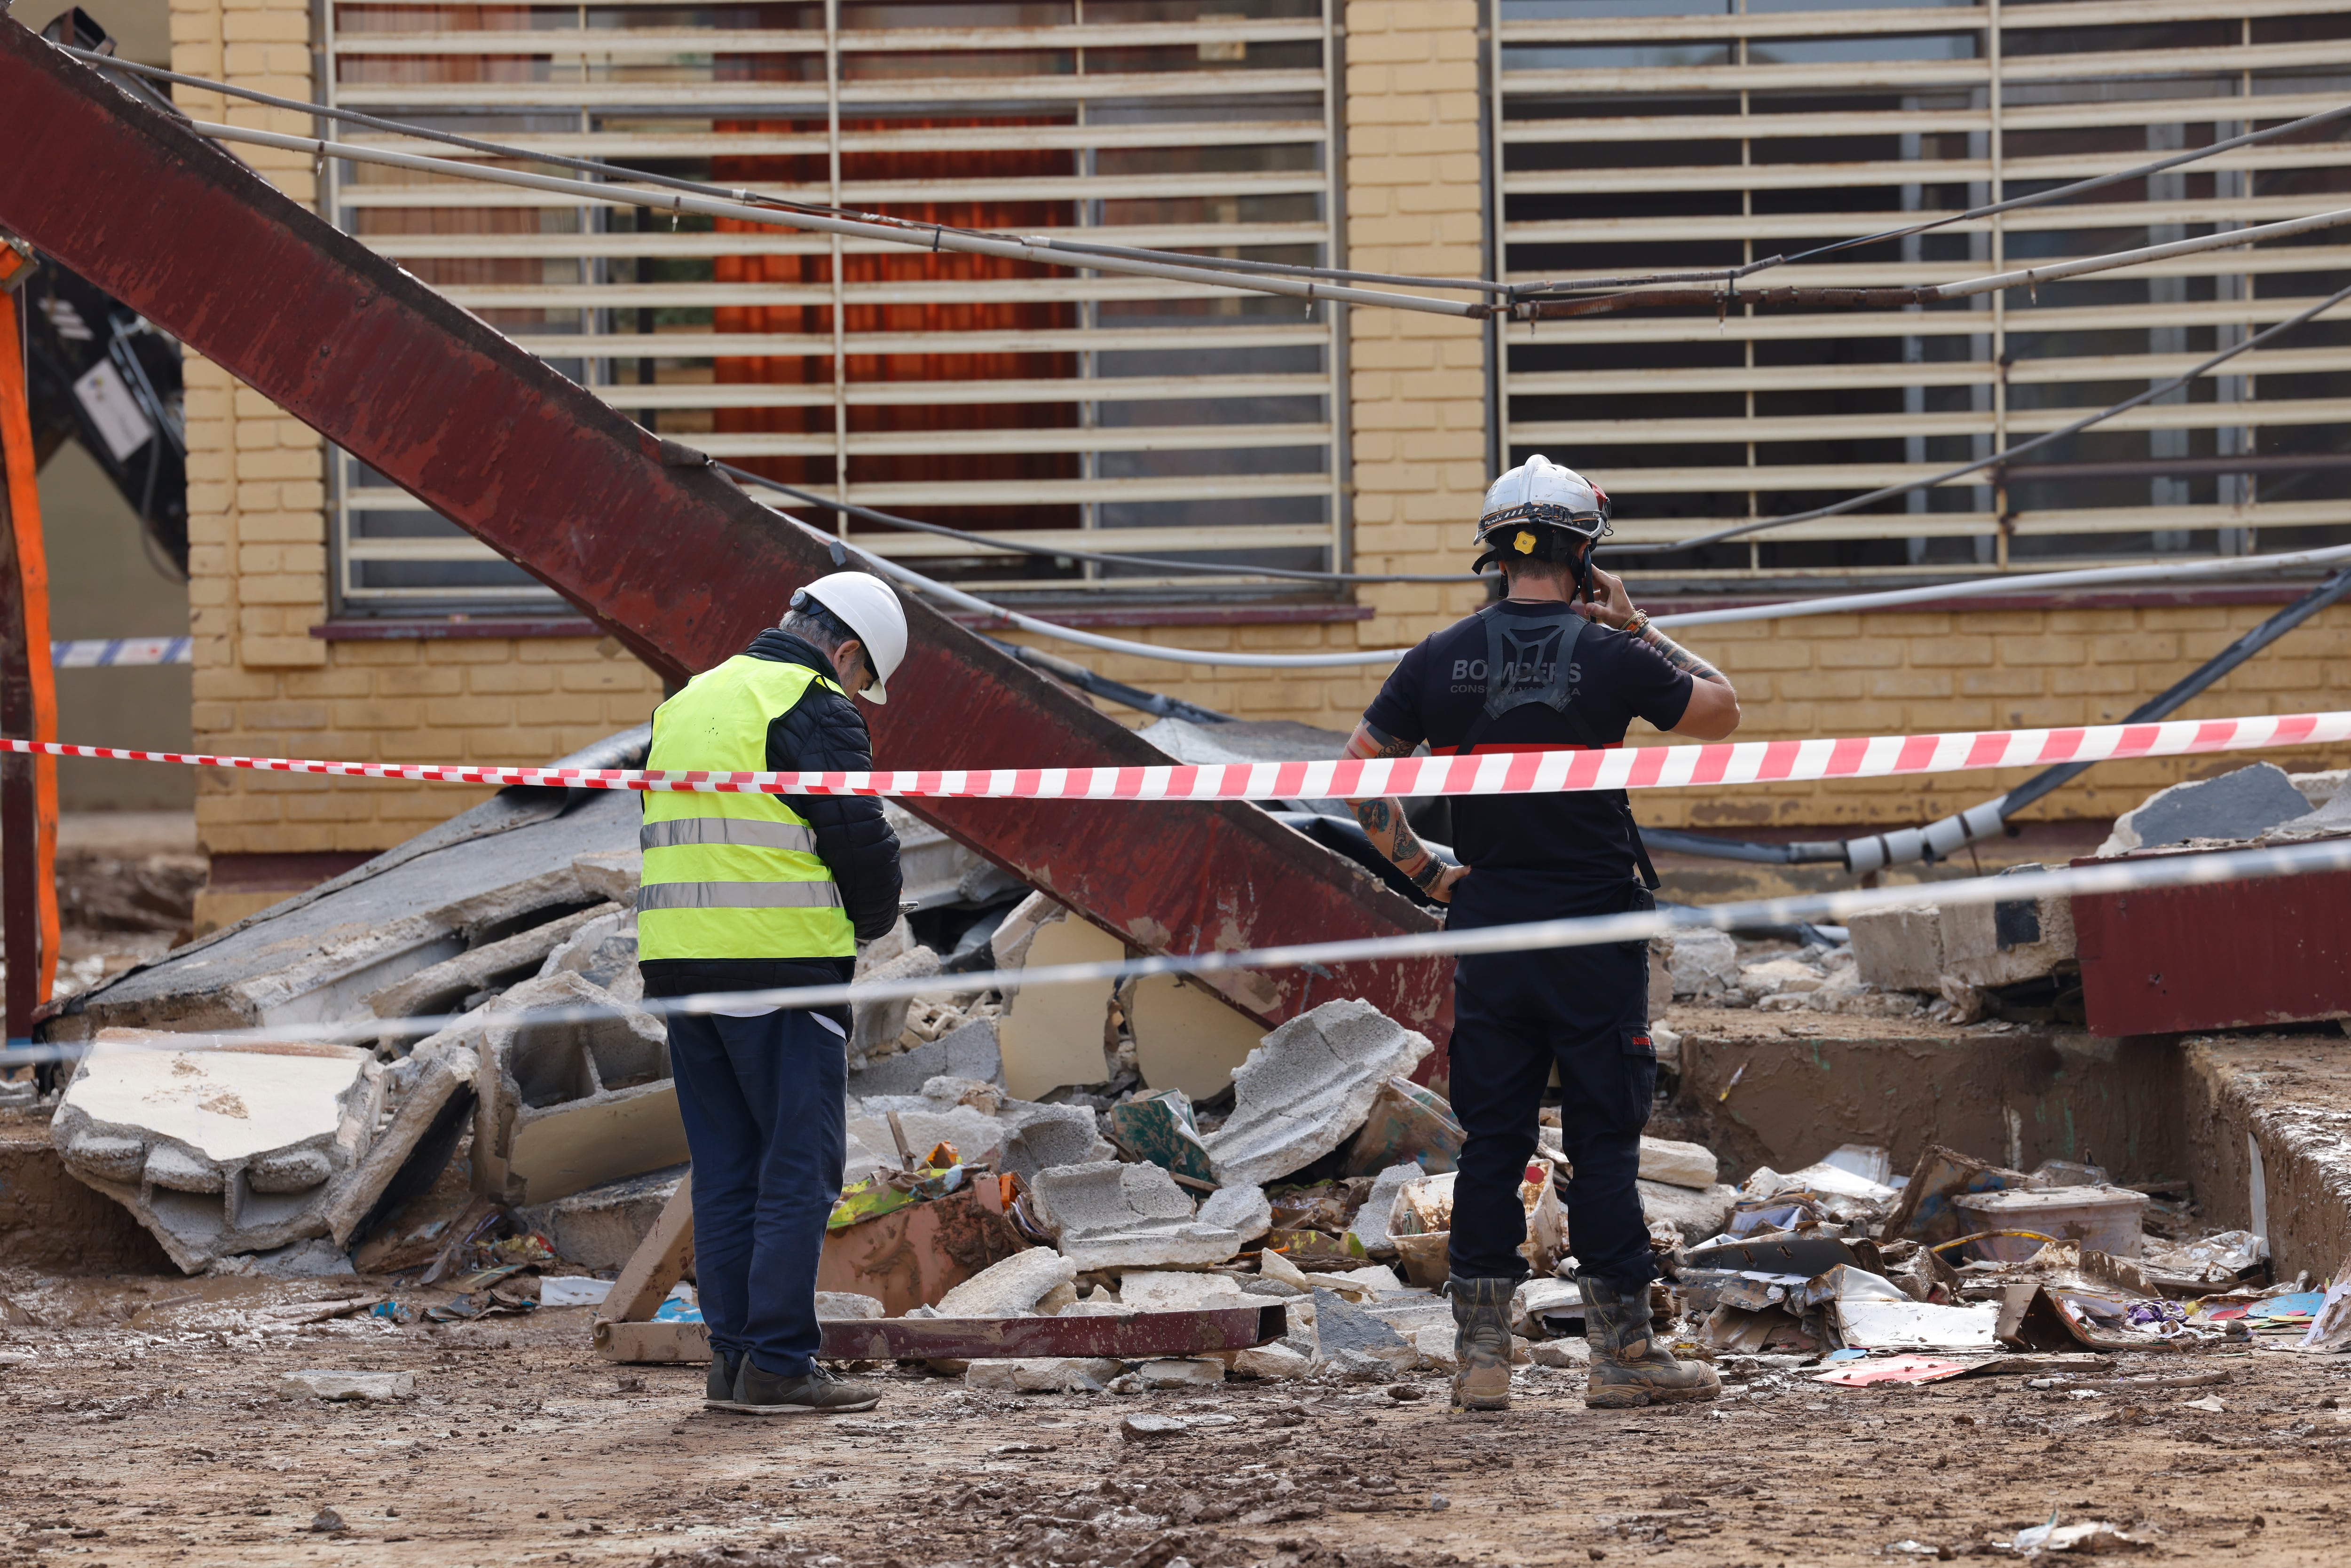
(915, 232)
(1854, 503)
(895, 231)
(1055, 552)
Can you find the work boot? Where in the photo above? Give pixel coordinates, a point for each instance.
(718, 1388)
(1482, 1342)
(816, 1391)
(1629, 1368)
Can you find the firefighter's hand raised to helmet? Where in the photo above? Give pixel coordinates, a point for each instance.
(1609, 604)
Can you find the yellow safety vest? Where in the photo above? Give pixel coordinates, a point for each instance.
(729, 875)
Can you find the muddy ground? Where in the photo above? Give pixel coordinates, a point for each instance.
(143, 1424)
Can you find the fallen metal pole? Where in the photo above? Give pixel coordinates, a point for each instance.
(1135, 1336)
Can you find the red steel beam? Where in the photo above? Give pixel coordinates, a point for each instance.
(677, 563)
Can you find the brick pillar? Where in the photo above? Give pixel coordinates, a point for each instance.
(1418, 383)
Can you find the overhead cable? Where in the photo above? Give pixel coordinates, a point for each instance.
(916, 231)
(1057, 552)
(2028, 277)
(1887, 492)
(2108, 878)
(893, 231)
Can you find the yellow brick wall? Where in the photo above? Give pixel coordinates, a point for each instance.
(257, 574)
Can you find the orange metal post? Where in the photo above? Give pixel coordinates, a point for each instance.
(28, 701)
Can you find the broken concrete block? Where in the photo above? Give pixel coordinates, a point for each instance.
(875, 1025)
(2319, 789)
(601, 1226)
(604, 950)
(1053, 1035)
(1143, 1426)
(1691, 1165)
(2233, 807)
(1308, 1088)
(1371, 1226)
(1245, 1210)
(574, 1091)
(222, 1150)
(848, 1304)
(1565, 1354)
(1437, 1345)
(1182, 1372)
(1779, 977)
(1271, 1361)
(1695, 1215)
(1159, 1128)
(1043, 1375)
(1057, 1135)
(1407, 1124)
(1172, 1291)
(967, 1051)
(1106, 1215)
(316, 1259)
(1017, 1287)
(1186, 1037)
(346, 1385)
(1702, 963)
(1899, 949)
(1340, 1326)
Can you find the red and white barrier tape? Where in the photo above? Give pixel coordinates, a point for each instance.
(1486, 773)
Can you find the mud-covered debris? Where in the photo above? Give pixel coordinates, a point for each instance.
(345, 1386)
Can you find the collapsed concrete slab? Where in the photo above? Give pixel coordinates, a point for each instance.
(1700, 963)
(1371, 1226)
(518, 861)
(1307, 1087)
(222, 1150)
(1105, 1215)
(983, 1125)
(875, 1025)
(2235, 806)
(1244, 1210)
(969, 1051)
(602, 949)
(447, 985)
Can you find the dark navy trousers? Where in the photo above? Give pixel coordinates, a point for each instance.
(1515, 1017)
(761, 1100)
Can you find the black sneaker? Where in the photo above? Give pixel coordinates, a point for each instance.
(816, 1393)
(718, 1389)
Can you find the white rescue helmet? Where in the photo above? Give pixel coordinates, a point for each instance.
(1533, 499)
(869, 607)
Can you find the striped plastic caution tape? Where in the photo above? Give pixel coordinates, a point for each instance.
(112, 652)
(1644, 767)
(1486, 773)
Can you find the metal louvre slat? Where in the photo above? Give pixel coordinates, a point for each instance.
(884, 194)
(1883, 22)
(893, 94)
(880, 394)
(1827, 225)
(639, 144)
(2230, 261)
(1897, 75)
(1790, 326)
(753, 345)
(1777, 118)
(1942, 374)
(660, 42)
(1887, 426)
(705, 295)
(686, 246)
(1914, 171)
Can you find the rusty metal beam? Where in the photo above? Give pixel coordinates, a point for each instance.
(680, 566)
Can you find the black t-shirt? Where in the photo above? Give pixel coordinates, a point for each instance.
(1438, 691)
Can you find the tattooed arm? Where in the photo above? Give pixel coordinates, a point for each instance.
(1713, 711)
(1383, 823)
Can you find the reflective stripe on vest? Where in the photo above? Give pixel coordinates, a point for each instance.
(733, 876)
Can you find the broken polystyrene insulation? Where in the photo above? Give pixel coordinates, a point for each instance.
(1054, 1036)
(574, 1091)
(219, 1150)
(1107, 1214)
(1308, 1087)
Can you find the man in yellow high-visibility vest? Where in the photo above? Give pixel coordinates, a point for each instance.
(755, 893)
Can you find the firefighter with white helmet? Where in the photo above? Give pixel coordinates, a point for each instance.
(751, 892)
(1561, 661)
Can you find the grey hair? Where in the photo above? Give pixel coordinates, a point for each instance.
(812, 623)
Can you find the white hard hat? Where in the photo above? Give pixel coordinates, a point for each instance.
(870, 608)
(1539, 493)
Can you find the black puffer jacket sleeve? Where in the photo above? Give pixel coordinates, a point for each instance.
(824, 730)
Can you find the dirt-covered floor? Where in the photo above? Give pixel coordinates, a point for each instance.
(142, 1424)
